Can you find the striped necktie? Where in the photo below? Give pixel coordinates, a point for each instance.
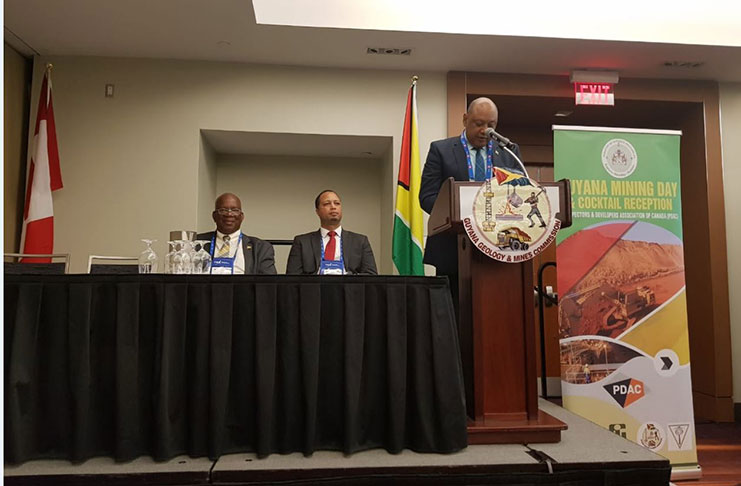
(480, 166)
(224, 250)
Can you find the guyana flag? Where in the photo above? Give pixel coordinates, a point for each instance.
(408, 226)
(512, 178)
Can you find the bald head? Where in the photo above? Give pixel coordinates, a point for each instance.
(227, 197)
(482, 101)
(482, 113)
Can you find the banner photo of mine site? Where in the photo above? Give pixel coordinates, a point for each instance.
(625, 360)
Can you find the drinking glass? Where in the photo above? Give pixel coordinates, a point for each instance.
(148, 258)
(186, 266)
(202, 259)
(190, 245)
(196, 259)
(177, 258)
(169, 267)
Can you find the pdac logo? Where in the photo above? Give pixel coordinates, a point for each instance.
(626, 392)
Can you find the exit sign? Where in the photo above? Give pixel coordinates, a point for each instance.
(594, 94)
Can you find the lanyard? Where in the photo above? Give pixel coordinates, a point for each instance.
(489, 147)
(223, 261)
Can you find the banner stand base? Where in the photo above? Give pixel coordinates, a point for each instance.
(682, 473)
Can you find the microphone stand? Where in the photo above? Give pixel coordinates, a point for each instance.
(504, 146)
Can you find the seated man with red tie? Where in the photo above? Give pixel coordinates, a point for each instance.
(232, 251)
(330, 250)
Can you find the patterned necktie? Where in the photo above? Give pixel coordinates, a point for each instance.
(480, 166)
(224, 250)
(329, 252)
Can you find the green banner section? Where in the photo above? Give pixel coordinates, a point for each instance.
(625, 360)
(650, 193)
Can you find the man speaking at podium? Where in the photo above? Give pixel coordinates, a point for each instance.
(471, 156)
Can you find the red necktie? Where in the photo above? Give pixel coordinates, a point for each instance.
(330, 250)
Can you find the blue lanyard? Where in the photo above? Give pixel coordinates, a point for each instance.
(489, 149)
(342, 253)
(226, 260)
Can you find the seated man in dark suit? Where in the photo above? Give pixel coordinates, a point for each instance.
(330, 250)
(232, 251)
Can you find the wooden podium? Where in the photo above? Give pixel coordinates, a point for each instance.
(497, 329)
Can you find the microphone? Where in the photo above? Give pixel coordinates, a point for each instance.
(507, 145)
(501, 139)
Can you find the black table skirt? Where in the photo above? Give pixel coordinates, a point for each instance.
(164, 365)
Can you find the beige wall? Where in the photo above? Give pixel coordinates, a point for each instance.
(730, 113)
(206, 184)
(278, 195)
(134, 165)
(16, 79)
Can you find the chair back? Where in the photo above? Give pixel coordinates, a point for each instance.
(280, 242)
(117, 265)
(14, 264)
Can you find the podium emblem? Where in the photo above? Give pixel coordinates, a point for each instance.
(512, 218)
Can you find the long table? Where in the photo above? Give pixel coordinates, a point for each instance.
(163, 365)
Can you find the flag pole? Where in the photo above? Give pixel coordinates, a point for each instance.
(49, 67)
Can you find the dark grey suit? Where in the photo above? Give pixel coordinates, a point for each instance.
(259, 257)
(306, 251)
(447, 158)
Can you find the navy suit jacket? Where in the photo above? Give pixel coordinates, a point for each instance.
(447, 158)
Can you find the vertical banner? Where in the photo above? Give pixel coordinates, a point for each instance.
(625, 360)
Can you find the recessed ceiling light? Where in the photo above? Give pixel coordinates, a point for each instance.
(390, 51)
(683, 64)
(563, 113)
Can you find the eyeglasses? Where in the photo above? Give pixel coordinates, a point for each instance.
(227, 211)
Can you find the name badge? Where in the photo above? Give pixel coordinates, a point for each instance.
(332, 267)
(222, 263)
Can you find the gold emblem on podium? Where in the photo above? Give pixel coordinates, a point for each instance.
(512, 218)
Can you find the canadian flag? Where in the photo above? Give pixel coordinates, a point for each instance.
(44, 176)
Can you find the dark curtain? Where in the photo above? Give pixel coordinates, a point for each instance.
(164, 365)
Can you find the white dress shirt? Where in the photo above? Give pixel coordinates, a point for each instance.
(235, 248)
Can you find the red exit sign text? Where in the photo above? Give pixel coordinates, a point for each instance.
(594, 94)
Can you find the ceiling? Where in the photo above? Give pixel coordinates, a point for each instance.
(226, 30)
(712, 22)
(303, 145)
